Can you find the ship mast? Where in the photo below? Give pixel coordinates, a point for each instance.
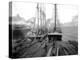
(37, 18)
(55, 17)
(57, 27)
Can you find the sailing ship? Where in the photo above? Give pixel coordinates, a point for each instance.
(57, 33)
(39, 25)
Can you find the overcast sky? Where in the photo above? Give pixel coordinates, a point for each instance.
(26, 10)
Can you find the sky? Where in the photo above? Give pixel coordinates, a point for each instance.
(26, 10)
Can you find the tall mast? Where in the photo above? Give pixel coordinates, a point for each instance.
(57, 22)
(55, 16)
(37, 16)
